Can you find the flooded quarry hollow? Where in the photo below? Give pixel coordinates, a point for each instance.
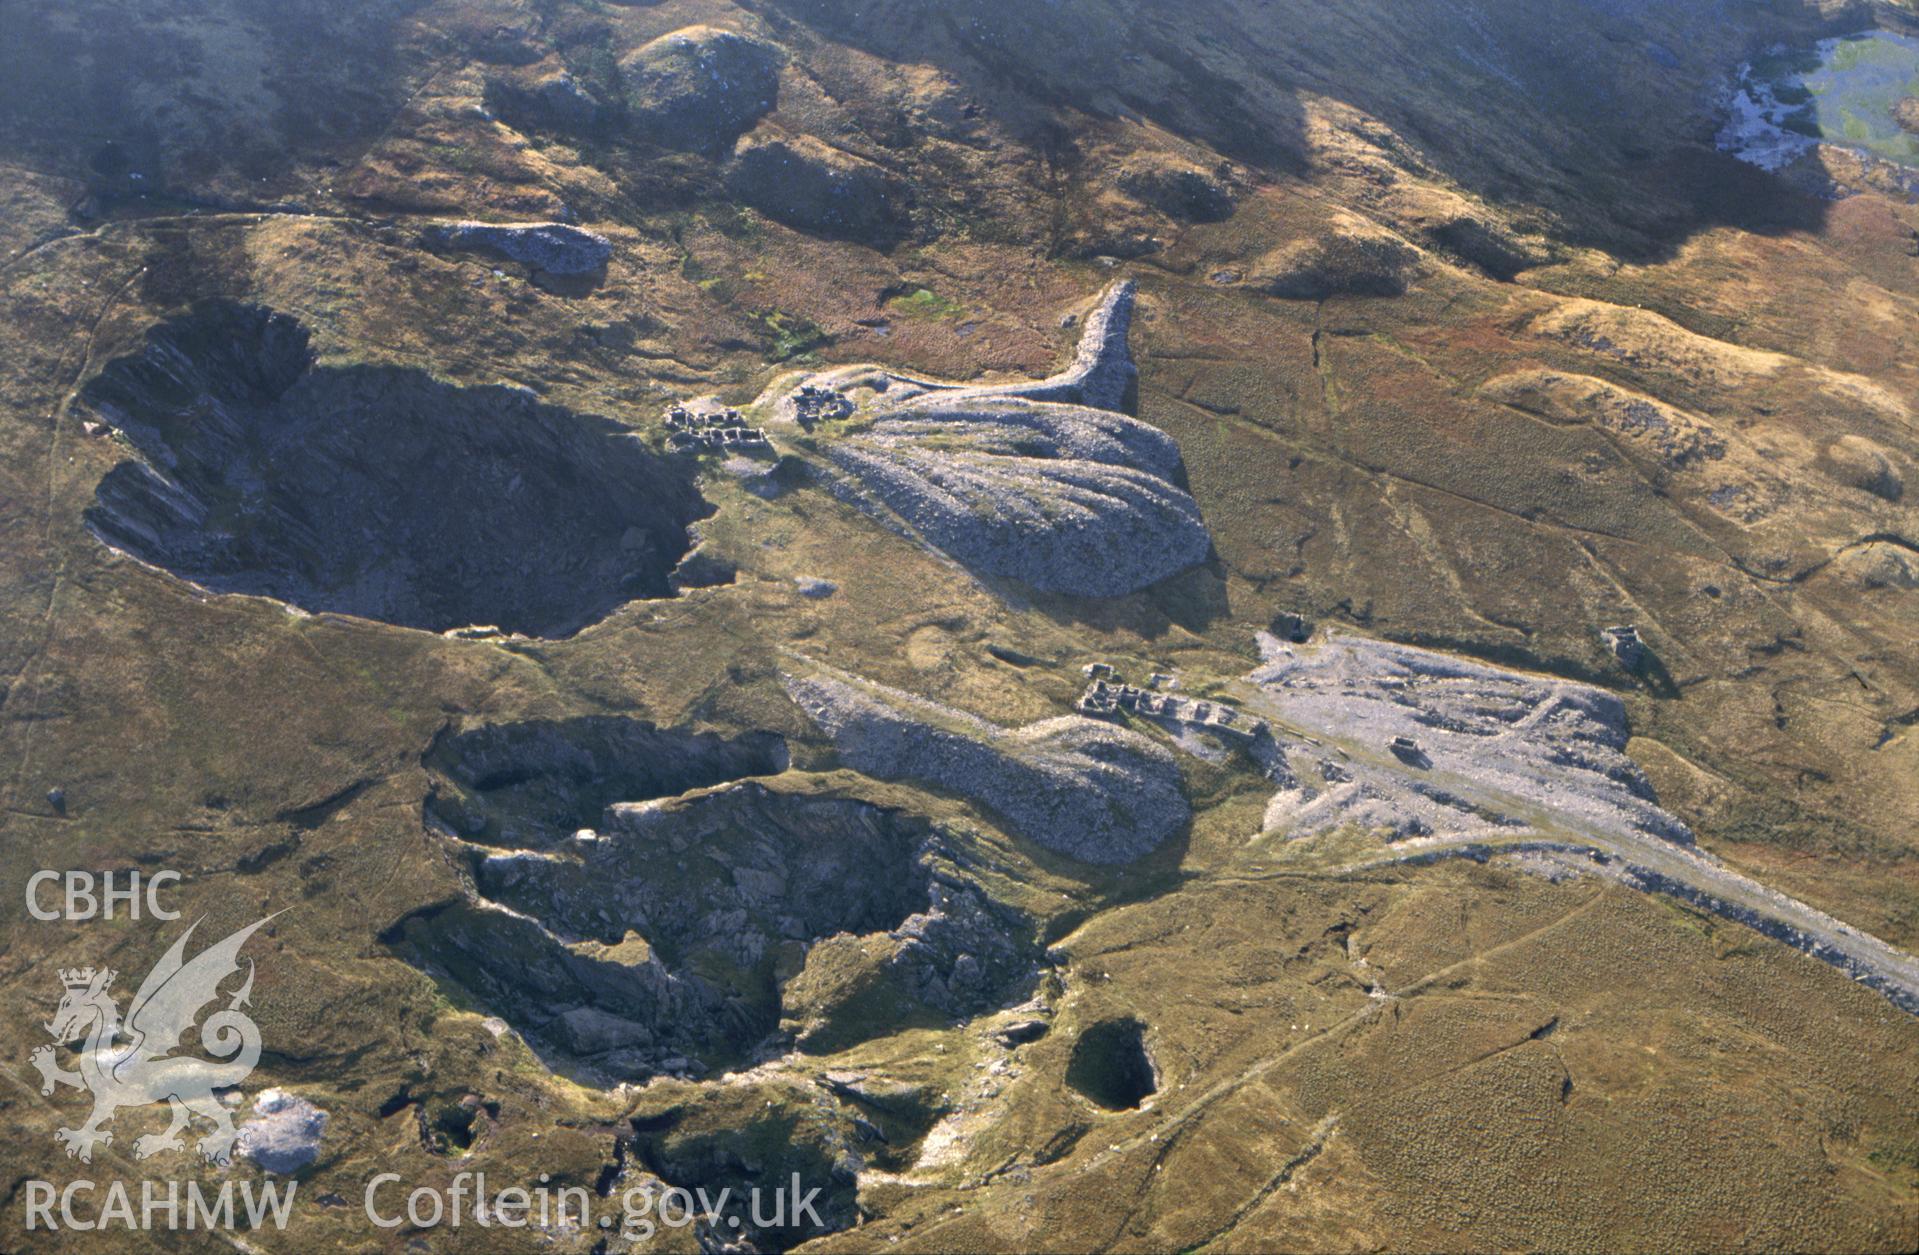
(1858, 91)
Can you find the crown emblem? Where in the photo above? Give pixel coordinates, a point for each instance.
(79, 977)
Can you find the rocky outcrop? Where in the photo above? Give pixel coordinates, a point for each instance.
(1881, 564)
(811, 186)
(377, 490)
(1677, 438)
(1075, 786)
(1044, 482)
(1905, 112)
(699, 87)
(552, 247)
(1867, 465)
(543, 98)
(1351, 260)
(1177, 188)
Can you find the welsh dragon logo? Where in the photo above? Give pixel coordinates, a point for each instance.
(133, 1064)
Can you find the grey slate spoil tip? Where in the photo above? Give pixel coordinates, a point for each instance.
(1049, 482)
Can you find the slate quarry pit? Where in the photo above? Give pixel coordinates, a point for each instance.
(377, 491)
(641, 900)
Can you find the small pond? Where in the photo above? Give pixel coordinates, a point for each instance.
(1851, 91)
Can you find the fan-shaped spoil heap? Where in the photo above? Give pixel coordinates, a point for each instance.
(1075, 786)
(1496, 749)
(377, 490)
(1048, 482)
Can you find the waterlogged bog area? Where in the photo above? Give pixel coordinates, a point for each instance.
(1857, 91)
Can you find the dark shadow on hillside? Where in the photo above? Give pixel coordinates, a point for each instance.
(1193, 600)
(1591, 112)
(162, 101)
(1133, 57)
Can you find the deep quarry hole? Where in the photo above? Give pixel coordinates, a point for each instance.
(377, 491)
(530, 784)
(640, 900)
(637, 901)
(1111, 1066)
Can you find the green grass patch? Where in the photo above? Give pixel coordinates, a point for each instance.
(794, 338)
(925, 303)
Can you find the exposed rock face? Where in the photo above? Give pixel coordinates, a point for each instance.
(554, 247)
(283, 1136)
(698, 88)
(1519, 745)
(1351, 260)
(1177, 188)
(676, 929)
(1075, 786)
(1043, 482)
(815, 187)
(376, 491)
